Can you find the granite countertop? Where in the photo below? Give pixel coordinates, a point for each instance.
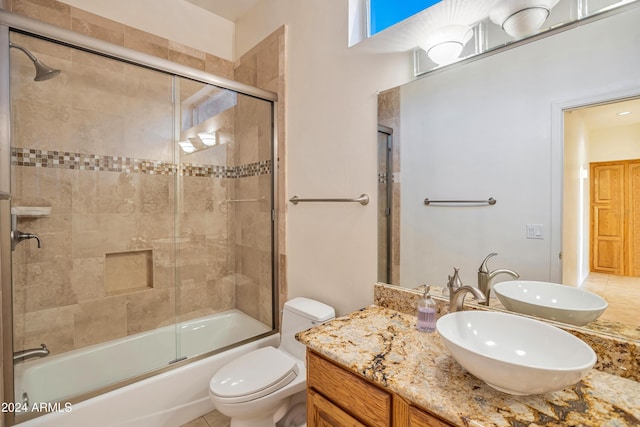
(383, 346)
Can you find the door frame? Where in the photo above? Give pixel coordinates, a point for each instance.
(558, 110)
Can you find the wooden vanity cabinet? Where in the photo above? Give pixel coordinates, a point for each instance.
(339, 398)
(419, 418)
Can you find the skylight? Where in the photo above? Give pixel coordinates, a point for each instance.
(385, 13)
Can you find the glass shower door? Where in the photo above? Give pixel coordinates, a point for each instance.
(145, 203)
(93, 177)
(224, 226)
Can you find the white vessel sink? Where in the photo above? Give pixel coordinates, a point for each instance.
(550, 301)
(515, 354)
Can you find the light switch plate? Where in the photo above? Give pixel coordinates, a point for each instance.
(535, 231)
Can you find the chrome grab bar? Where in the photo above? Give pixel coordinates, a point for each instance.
(491, 201)
(363, 200)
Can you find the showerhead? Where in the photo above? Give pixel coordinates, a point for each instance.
(43, 72)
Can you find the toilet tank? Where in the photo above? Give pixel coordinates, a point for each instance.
(300, 314)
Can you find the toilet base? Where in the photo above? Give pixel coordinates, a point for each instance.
(266, 418)
(296, 415)
(290, 412)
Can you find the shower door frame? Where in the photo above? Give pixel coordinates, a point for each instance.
(10, 21)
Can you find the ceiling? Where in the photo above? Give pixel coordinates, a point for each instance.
(606, 115)
(228, 9)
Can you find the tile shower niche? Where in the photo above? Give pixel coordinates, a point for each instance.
(129, 271)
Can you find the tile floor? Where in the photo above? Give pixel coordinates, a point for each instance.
(212, 419)
(622, 294)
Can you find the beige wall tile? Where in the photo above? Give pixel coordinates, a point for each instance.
(268, 60)
(53, 327)
(222, 293)
(87, 278)
(246, 70)
(187, 56)
(148, 310)
(47, 187)
(247, 295)
(97, 26)
(146, 43)
(193, 296)
(49, 11)
(218, 66)
(100, 321)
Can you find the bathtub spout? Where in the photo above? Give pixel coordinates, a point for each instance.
(22, 355)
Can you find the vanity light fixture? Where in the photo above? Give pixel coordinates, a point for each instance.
(519, 18)
(444, 45)
(208, 138)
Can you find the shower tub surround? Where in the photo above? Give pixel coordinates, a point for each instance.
(67, 303)
(102, 154)
(77, 245)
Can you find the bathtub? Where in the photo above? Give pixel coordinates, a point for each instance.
(168, 399)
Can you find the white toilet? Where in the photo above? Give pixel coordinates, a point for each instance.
(258, 388)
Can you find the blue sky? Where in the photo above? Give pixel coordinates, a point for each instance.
(385, 13)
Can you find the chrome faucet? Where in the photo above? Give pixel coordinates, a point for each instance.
(457, 292)
(22, 355)
(454, 283)
(457, 297)
(485, 278)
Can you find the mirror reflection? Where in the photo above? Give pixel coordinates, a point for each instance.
(537, 130)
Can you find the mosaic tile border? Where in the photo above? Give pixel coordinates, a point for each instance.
(91, 162)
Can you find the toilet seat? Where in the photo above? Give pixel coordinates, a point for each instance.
(253, 375)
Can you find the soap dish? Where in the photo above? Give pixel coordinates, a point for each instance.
(32, 211)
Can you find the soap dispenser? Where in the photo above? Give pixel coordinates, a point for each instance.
(426, 312)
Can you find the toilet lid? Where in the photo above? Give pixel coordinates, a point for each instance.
(253, 375)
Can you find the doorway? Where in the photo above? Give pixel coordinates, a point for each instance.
(385, 202)
(601, 201)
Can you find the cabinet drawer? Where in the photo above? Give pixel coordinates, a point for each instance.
(361, 399)
(322, 413)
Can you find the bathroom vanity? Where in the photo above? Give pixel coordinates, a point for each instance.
(373, 368)
(330, 400)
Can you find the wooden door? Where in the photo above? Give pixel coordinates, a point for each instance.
(633, 215)
(615, 217)
(607, 218)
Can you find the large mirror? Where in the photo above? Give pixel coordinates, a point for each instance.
(521, 127)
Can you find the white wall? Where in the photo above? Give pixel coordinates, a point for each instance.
(176, 20)
(575, 223)
(485, 129)
(331, 146)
